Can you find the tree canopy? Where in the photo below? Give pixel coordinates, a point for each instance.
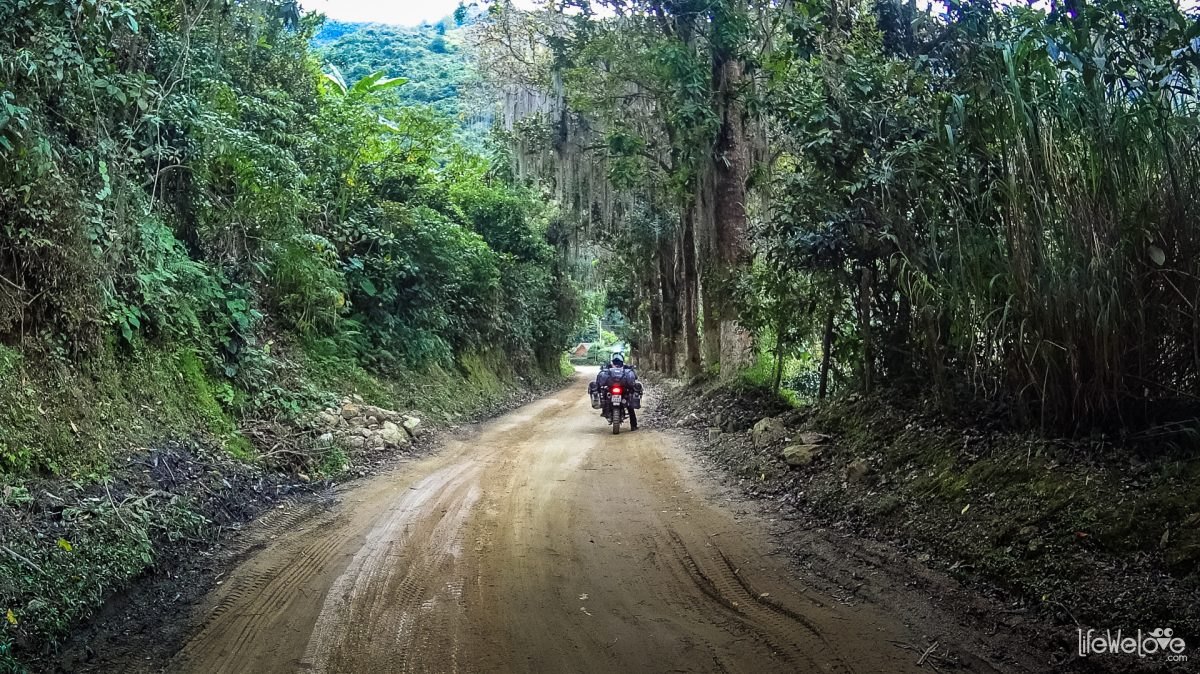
(989, 202)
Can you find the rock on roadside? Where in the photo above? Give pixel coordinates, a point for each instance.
(393, 434)
(412, 425)
(857, 470)
(359, 426)
(800, 455)
(768, 432)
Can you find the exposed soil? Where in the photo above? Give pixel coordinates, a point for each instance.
(540, 542)
(982, 522)
(244, 507)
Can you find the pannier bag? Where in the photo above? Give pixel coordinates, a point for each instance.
(635, 398)
(594, 392)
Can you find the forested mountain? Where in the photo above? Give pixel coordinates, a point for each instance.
(430, 57)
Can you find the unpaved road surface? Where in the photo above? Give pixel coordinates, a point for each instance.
(539, 542)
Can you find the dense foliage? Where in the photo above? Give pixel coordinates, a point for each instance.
(1004, 194)
(995, 202)
(195, 177)
(431, 57)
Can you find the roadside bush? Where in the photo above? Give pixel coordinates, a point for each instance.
(209, 189)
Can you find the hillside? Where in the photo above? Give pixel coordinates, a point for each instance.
(205, 241)
(430, 57)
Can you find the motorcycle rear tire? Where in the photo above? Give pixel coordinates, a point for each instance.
(616, 422)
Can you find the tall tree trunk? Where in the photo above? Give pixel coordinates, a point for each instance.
(864, 328)
(826, 355)
(711, 319)
(708, 268)
(731, 169)
(653, 289)
(691, 291)
(780, 330)
(671, 319)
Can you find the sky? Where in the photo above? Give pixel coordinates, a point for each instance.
(399, 12)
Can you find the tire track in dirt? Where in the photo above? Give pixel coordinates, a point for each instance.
(395, 591)
(255, 598)
(721, 586)
(538, 543)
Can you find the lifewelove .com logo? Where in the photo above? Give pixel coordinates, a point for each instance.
(1159, 642)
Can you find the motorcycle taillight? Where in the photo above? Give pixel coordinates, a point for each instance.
(617, 390)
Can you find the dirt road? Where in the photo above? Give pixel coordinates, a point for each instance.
(539, 542)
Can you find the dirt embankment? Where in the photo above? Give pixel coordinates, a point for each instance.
(168, 520)
(1044, 537)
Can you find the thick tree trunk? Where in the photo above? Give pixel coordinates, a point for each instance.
(708, 268)
(656, 319)
(671, 311)
(691, 292)
(864, 328)
(731, 169)
(712, 327)
(826, 355)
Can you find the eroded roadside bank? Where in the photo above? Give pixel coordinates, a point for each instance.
(1035, 538)
(90, 566)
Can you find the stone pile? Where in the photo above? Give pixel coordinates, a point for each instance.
(357, 425)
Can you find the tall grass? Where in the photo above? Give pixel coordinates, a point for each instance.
(1020, 189)
(1092, 205)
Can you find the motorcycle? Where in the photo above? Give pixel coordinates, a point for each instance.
(618, 400)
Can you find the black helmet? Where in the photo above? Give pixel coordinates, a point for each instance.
(617, 359)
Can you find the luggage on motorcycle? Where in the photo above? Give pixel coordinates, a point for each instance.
(594, 393)
(633, 389)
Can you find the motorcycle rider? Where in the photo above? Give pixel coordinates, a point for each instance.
(618, 372)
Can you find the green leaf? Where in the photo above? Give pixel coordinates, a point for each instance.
(368, 287)
(65, 544)
(365, 84)
(334, 75)
(376, 81)
(389, 83)
(1157, 254)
